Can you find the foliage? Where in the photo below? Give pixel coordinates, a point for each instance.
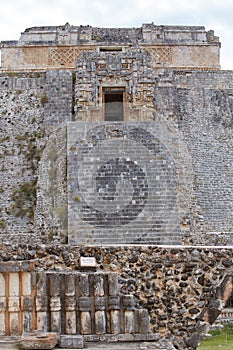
(24, 197)
(5, 138)
(2, 224)
(77, 199)
(12, 74)
(220, 339)
(43, 99)
(24, 200)
(62, 215)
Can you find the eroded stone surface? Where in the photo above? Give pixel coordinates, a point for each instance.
(38, 341)
(172, 152)
(158, 291)
(33, 175)
(60, 46)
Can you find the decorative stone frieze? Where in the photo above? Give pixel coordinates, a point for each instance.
(60, 46)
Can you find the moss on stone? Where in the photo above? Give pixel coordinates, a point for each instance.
(24, 200)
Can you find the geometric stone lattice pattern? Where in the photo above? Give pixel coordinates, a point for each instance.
(63, 56)
(161, 55)
(121, 184)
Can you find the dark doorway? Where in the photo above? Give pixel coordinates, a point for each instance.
(113, 105)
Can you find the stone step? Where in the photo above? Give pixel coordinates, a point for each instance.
(110, 346)
(164, 345)
(9, 343)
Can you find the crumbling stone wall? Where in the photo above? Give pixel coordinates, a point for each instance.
(28, 118)
(22, 134)
(182, 289)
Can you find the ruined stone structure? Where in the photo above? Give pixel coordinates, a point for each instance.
(115, 145)
(60, 47)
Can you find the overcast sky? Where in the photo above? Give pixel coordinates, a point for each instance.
(17, 15)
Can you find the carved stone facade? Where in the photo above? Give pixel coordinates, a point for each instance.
(59, 47)
(115, 146)
(131, 72)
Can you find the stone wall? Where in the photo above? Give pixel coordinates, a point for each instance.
(190, 113)
(181, 289)
(211, 168)
(31, 110)
(123, 183)
(59, 47)
(130, 71)
(35, 58)
(22, 134)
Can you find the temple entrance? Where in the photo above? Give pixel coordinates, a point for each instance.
(113, 104)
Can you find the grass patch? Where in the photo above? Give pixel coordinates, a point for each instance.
(221, 339)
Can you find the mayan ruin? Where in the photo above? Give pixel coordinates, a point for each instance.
(116, 187)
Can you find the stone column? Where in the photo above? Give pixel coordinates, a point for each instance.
(55, 302)
(26, 301)
(85, 305)
(143, 321)
(41, 302)
(70, 304)
(114, 304)
(2, 304)
(100, 304)
(14, 304)
(129, 317)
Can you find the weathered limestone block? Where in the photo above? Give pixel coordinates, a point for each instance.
(114, 303)
(129, 315)
(70, 304)
(36, 340)
(143, 321)
(85, 305)
(40, 284)
(71, 342)
(113, 284)
(100, 304)
(9, 343)
(160, 345)
(14, 303)
(2, 304)
(26, 302)
(55, 302)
